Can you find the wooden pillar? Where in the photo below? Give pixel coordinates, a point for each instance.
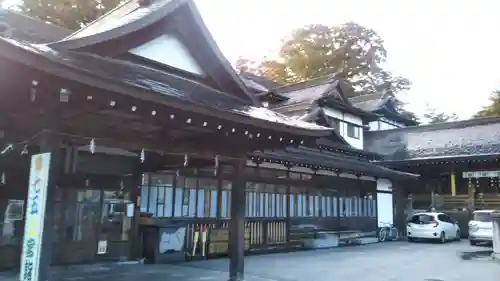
(470, 192)
(453, 183)
(237, 223)
(135, 237)
(400, 202)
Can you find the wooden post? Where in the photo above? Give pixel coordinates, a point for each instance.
(452, 183)
(135, 193)
(237, 223)
(470, 192)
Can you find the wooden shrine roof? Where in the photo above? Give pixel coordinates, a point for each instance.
(24, 28)
(147, 84)
(381, 104)
(324, 91)
(461, 139)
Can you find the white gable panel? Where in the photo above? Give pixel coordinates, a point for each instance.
(168, 50)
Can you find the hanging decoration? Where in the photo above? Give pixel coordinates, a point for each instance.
(7, 149)
(185, 160)
(25, 150)
(203, 240)
(92, 146)
(143, 155)
(216, 166)
(3, 179)
(177, 173)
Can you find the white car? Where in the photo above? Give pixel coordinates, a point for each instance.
(434, 226)
(481, 228)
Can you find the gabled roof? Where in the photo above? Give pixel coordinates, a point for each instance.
(469, 138)
(25, 28)
(138, 22)
(263, 88)
(261, 81)
(145, 83)
(370, 102)
(324, 91)
(382, 104)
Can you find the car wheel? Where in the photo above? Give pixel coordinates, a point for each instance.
(472, 242)
(410, 239)
(442, 238)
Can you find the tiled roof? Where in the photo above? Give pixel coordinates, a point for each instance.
(370, 103)
(28, 29)
(253, 85)
(141, 78)
(333, 160)
(305, 92)
(262, 81)
(453, 139)
(305, 95)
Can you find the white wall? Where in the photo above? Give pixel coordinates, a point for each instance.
(385, 205)
(346, 118)
(168, 50)
(385, 124)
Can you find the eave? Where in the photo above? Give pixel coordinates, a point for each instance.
(180, 17)
(390, 114)
(440, 160)
(63, 65)
(315, 160)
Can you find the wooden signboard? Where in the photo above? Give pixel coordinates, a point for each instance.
(218, 241)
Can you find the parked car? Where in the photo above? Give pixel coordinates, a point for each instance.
(432, 226)
(481, 228)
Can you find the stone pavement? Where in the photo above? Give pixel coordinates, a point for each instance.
(393, 261)
(114, 272)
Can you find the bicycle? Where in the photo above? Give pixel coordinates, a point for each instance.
(388, 231)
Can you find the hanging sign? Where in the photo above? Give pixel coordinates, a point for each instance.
(481, 174)
(35, 215)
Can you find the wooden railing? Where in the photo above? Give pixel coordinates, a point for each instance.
(272, 234)
(265, 234)
(457, 202)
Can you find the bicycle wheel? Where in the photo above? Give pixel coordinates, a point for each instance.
(382, 234)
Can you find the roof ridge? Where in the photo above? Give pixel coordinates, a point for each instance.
(306, 84)
(367, 97)
(447, 125)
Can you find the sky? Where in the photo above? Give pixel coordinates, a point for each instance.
(448, 49)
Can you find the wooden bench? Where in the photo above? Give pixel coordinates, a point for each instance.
(297, 237)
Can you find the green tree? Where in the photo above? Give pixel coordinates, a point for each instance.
(72, 14)
(433, 116)
(355, 53)
(493, 109)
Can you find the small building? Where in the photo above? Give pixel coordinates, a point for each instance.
(458, 161)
